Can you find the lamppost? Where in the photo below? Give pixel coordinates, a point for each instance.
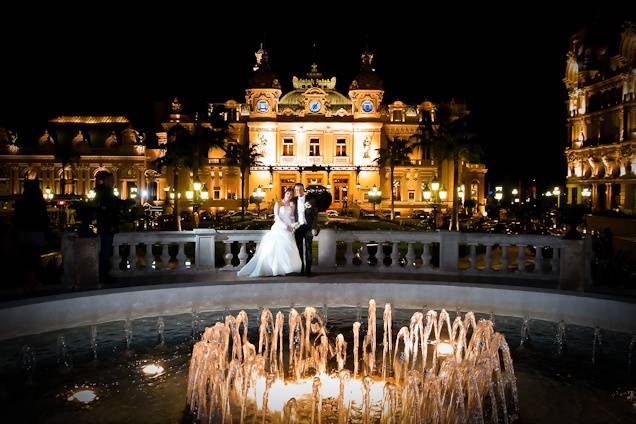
(257, 196)
(48, 194)
(557, 193)
(515, 194)
(271, 177)
(587, 195)
(374, 196)
(91, 194)
(198, 195)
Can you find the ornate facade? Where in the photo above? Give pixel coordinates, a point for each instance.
(601, 147)
(312, 134)
(99, 143)
(315, 135)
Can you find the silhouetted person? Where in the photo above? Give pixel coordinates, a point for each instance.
(107, 222)
(31, 222)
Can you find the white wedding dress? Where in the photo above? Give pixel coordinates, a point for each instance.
(277, 253)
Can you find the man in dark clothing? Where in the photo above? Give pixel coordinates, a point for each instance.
(31, 221)
(306, 214)
(107, 222)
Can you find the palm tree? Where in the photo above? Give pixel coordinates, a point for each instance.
(244, 156)
(189, 149)
(66, 154)
(454, 141)
(395, 154)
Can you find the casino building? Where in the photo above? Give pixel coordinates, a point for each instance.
(311, 134)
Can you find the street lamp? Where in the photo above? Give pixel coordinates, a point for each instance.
(587, 195)
(48, 194)
(435, 184)
(499, 193)
(374, 196)
(515, 191)
(557, 193)
(443, 194)
(258, 195)
(115, 192)
(91, 194)
(426, 193)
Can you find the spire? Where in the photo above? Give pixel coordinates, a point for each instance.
(367, 78)
(263, 77)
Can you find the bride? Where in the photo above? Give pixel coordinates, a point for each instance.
(277, 253)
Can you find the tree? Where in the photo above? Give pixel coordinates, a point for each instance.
(66, 154)
(454, 141)
(244, 156)
(395, 154)
(189, 149)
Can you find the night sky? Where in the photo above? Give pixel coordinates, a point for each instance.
(507, 64)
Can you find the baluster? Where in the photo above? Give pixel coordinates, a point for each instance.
(472, 257)
(521, 258)
(243, 254)
(228, 256)
(505, 257)
(379, 255)
(148, 257)
(538, 260)
(181, 256)
(348, 254)
(165, 256)
(132, 257)
(488, 258)
(556, 256)
(365, 255)
(410, 256)
(426, 256)
(116, 259)
(395, 255)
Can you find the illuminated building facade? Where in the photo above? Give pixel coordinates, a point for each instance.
(316, 135)
(312, 134)
(601, 148)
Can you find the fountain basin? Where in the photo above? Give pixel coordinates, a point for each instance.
(53, 313)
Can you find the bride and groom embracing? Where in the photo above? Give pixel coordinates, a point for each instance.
(280, 251)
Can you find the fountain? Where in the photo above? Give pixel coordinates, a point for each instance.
(128, 333)
(560, 339)
(438, 374)
(93, 340)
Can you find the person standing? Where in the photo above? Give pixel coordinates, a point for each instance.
(31, 221)
(107, 222)
(306, 215)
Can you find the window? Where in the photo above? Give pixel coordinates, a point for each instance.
(216, 194)
(341, 147)
(314, 147)
(397, 116)
(288, 147)
(411, 195)
(397, 192)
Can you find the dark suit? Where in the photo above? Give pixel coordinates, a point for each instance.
(303, 234)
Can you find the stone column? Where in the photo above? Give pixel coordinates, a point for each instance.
(608, 196)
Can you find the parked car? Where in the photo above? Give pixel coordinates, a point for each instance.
(419, 214)
(331, 213)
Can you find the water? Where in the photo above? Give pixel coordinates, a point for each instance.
(565, 389)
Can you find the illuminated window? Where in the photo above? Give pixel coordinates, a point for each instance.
(288, 147)
(411, 195)
(397, 116)
(314, 147)
(341, 147)
(216, 195)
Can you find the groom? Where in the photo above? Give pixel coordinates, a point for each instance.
(306, 214)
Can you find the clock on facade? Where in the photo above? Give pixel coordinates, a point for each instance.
(314, 106)
(367, 106)
(262, 106)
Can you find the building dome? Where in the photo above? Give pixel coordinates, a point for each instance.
(295, 100)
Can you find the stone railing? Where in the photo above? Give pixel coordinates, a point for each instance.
(550, 258)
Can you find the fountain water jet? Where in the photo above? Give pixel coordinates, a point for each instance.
(439, 373)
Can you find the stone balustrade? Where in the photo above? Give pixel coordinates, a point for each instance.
(535, 257)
